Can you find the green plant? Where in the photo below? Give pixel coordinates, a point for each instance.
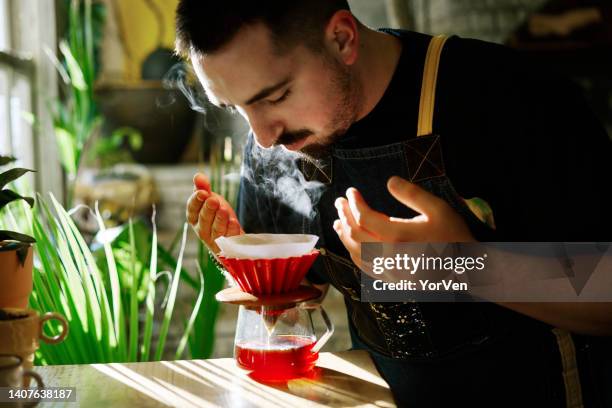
(77, 121)
(104, 324)
(111, 150)
(76, 118)
(11, 240)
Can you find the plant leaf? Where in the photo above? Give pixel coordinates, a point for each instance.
(12, 175)
(22, 253)
(150, 299)
(115, 286)
(133, 334)
(15, 236)
(74, 69)
(202, 338)
(67, 147)
(163, 331)
(8, 196)
(192, 318)
(4, 160)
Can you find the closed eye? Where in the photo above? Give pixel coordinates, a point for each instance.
(283, 97)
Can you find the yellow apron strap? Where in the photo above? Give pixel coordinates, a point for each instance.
(571, 377)
(428, 88)
(479, 207)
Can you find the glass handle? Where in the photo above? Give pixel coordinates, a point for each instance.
(329, 327)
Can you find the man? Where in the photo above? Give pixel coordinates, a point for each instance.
(307, 76)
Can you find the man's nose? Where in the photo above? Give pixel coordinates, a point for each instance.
(266, 131)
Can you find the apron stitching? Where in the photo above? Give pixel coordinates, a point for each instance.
(406, 161)
(425, 179)
(425, 158)
(378, 156)
(339, 258)
(442, 166)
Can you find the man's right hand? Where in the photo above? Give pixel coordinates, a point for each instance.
(210, 215)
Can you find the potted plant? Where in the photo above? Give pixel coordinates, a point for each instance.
(15, 248)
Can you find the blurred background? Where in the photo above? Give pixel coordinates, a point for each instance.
(93, 98)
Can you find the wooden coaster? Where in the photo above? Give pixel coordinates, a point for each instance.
(236, 296)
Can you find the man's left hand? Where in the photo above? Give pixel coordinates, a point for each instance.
(437, 222)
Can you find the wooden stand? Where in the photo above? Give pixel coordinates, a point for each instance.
(269, 306)
(237, 296)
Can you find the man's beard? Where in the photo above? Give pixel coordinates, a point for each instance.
(345, 111)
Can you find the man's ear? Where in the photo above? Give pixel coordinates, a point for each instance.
(342, 35)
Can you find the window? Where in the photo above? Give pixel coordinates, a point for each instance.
(27, 84)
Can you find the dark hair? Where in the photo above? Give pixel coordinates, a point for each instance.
(205, 26)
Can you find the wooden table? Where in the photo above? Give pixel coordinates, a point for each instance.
(346, 379)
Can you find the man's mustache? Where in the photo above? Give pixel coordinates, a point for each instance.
(288, 138)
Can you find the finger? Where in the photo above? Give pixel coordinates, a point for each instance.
(226, 206)
(211, 245)
(206, 219)
(350, 244)
(349, 225)
(379, 225)
(372, 221)
(219, 226)
(338, 226)
(233, 228)
(201, 182)
(353, 247)
(413, 196)
(194, 205)
(193, 208)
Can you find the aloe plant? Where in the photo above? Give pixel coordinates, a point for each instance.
(11, 240)
(104, 324)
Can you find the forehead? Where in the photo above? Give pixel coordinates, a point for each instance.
(247, 63)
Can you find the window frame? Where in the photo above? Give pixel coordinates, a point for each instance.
(40, 73)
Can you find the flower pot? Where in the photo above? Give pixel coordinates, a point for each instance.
(15, 279)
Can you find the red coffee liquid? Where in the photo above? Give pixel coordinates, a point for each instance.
(285, 358)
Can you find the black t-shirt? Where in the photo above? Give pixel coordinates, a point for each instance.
(513, 134)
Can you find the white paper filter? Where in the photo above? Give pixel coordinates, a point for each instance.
(266, 246)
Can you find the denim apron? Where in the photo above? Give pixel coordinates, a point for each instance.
(413, 343)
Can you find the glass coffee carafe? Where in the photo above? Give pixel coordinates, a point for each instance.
(275, 335)
(278, 343)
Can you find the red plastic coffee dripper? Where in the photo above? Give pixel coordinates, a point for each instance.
(269, 276)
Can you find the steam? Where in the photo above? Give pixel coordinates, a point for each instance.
(275, 172)
(178, 77)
